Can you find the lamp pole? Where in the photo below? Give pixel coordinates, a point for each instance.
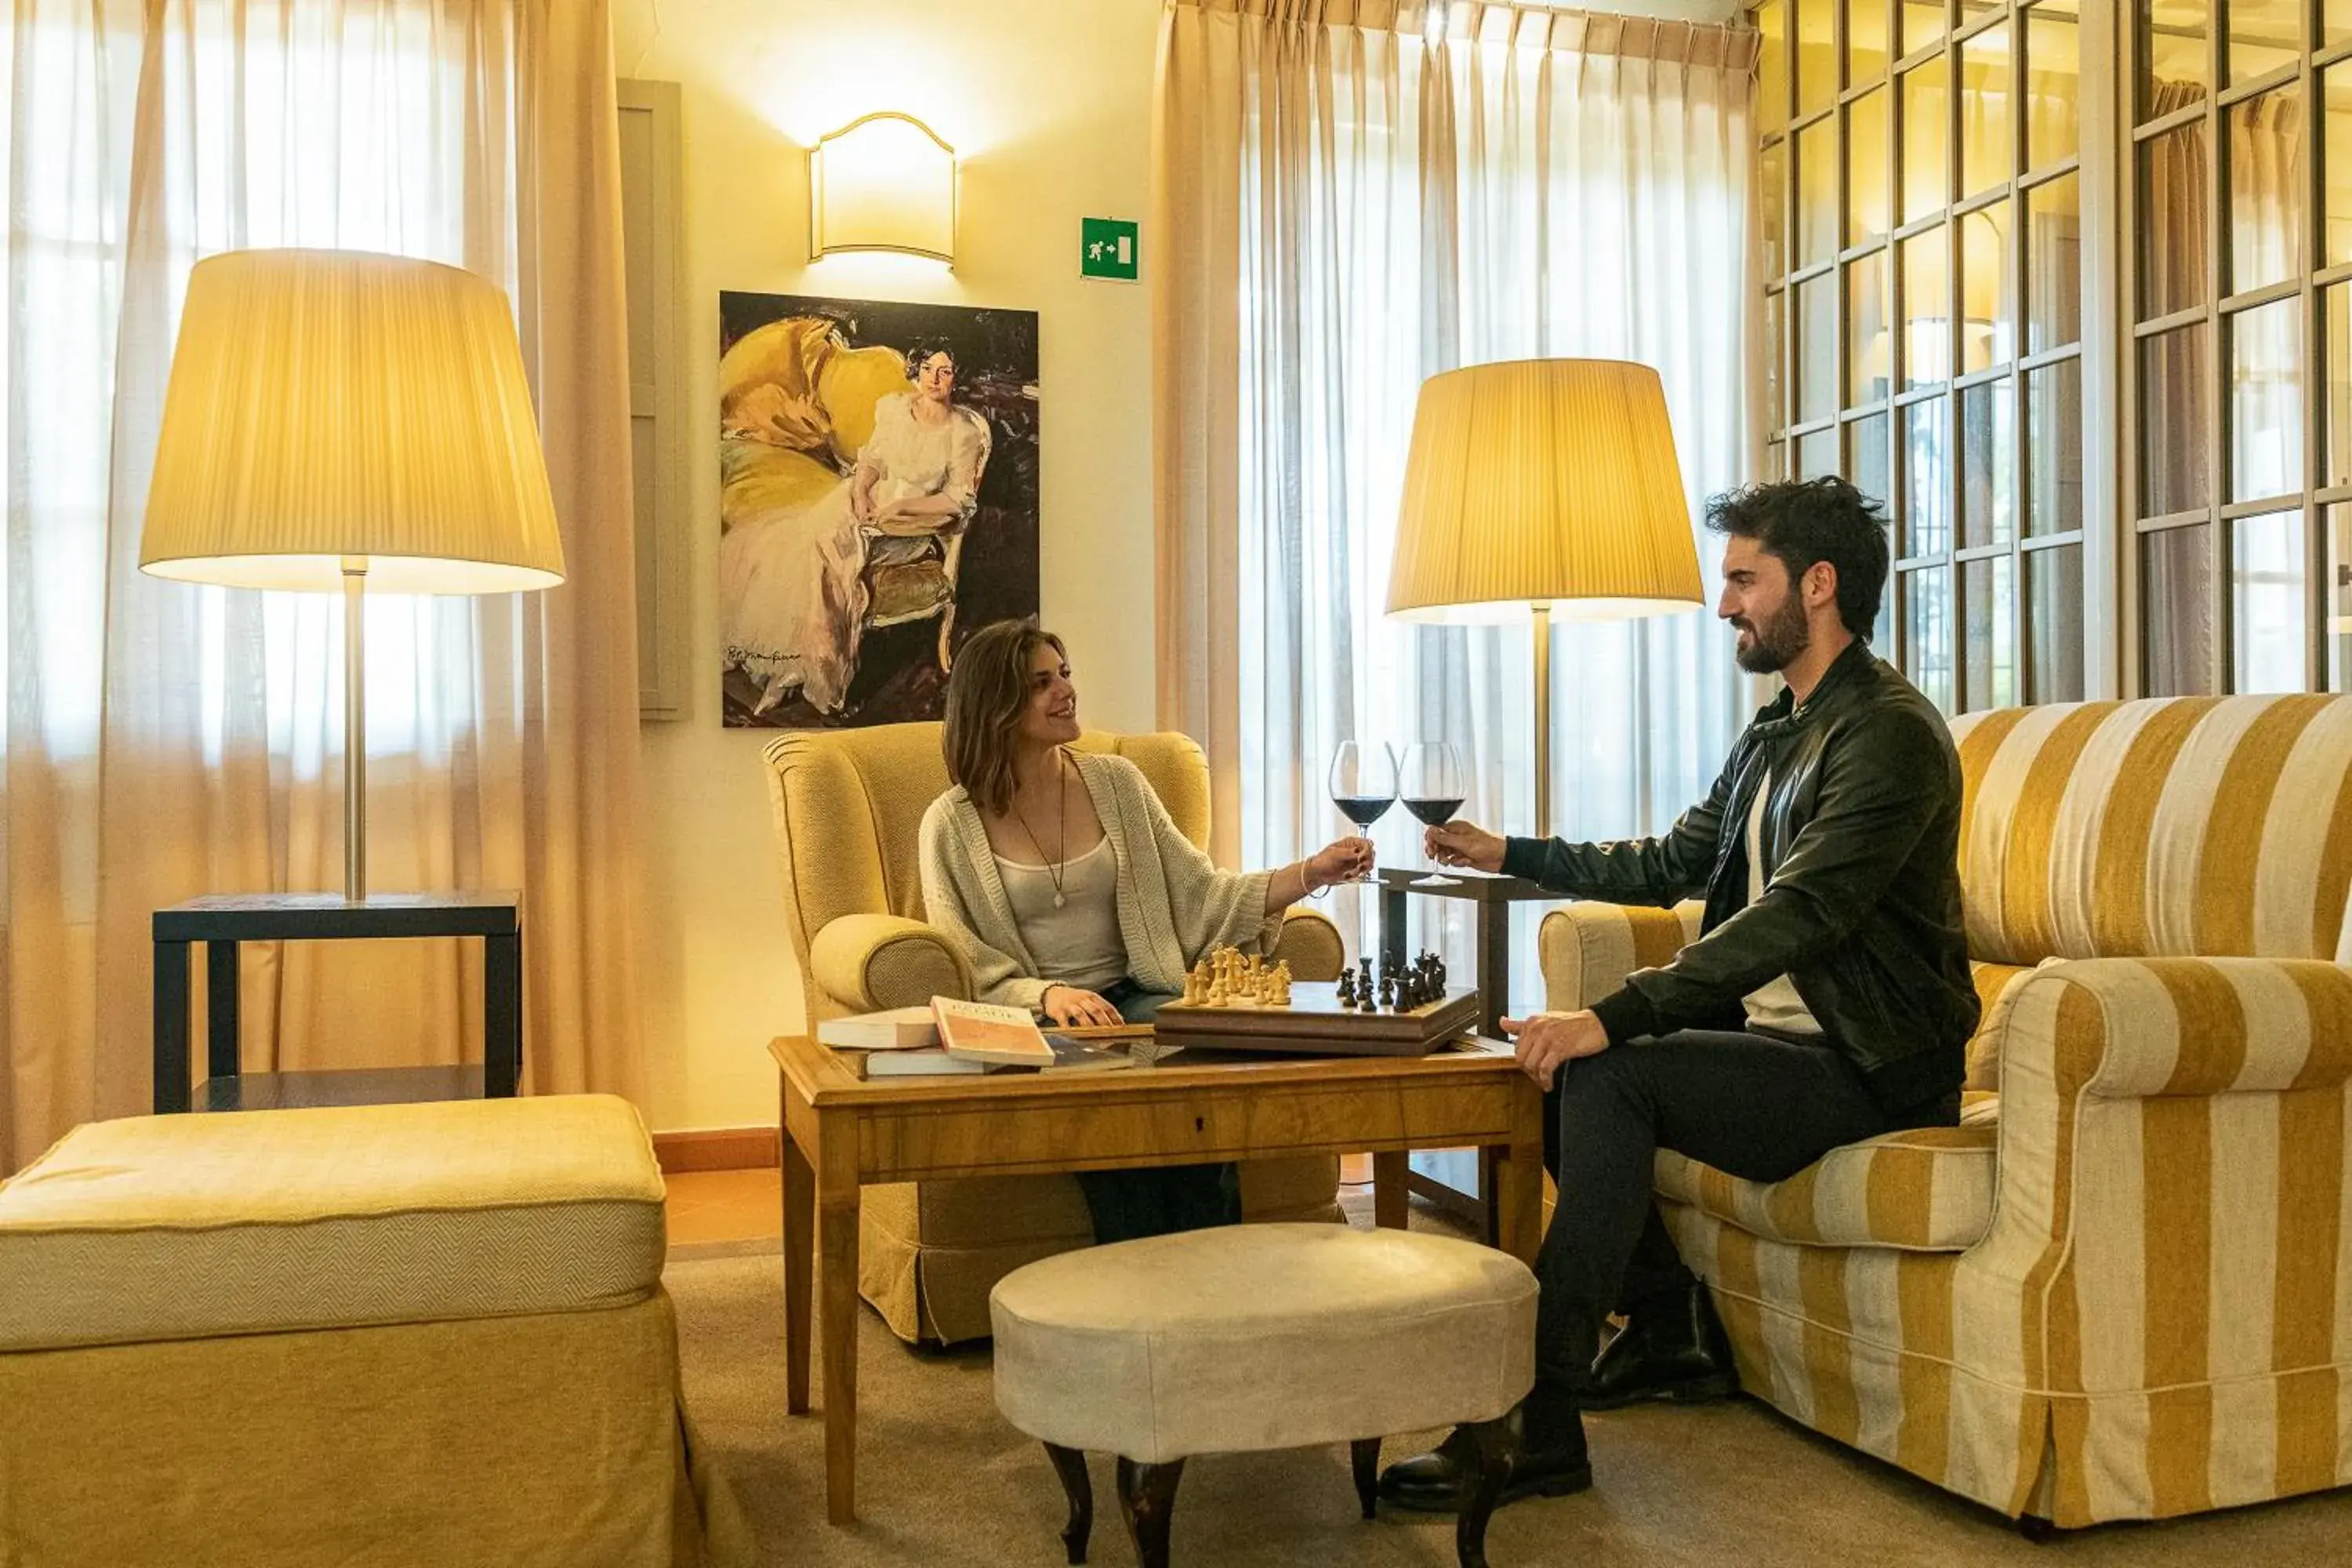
(354, 730)
(1542, 629)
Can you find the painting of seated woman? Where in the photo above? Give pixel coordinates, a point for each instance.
(877, 500)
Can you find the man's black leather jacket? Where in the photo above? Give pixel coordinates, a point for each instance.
(1862, 903)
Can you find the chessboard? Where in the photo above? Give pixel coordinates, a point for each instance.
(1236, 1004)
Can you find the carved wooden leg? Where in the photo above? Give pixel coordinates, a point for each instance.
(1148, 1495)
(1071, 1466)
(1364, 1453)
(1493, 1446)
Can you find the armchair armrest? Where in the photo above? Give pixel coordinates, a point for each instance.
(2145, 1029)
(1310, 944)
(2142, 1102)
(867, 962)
(1587, 949)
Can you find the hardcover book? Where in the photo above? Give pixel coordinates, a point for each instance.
(980, 1032)
(898, 1029)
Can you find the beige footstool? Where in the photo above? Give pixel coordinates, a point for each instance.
(403, 1336)
(1255, 1337)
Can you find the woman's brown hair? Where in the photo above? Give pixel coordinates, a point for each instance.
(986, 694)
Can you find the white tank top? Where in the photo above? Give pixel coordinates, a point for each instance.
(1077, 942)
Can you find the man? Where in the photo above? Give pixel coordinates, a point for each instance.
(1827, 999)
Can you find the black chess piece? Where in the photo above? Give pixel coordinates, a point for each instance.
(1387, 994)
(1364, 981)
(1347, 990)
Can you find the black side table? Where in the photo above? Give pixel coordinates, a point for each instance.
(1493, 895)
(221, 923)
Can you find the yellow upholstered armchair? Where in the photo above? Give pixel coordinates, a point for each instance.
(848, 805)
(2118, 1289)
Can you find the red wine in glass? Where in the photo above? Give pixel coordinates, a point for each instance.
(1432, 788)
(1363, 782)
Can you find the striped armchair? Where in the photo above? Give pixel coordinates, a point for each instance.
(2122, 1288)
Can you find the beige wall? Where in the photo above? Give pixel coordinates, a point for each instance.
(1049, 103)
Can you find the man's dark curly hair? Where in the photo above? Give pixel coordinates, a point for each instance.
(1802, 522)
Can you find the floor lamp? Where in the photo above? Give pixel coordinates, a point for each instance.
(1543, 488)
(338, 420)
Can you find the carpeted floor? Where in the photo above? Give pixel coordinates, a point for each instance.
(944, 1483)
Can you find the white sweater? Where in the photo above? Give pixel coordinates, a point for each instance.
(1174, 906)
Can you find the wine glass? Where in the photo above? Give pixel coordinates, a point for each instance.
(1363, 782)
(1433, 789)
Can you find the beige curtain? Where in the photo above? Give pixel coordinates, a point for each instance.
(1352, 198)
(2176, 376)
(164, 740)
(2263, 377)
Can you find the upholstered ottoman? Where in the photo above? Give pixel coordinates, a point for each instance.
(1255, 1337)
(393, 1334)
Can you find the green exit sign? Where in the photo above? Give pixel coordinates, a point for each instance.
(1107, 248)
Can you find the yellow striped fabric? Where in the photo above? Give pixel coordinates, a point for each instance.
(1873, 1346)
(2167, 827)
(2156, 1318)
(1588, 949)
(1929, 1189)
(1984, 1048)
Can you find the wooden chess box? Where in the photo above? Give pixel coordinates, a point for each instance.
(1316, 1025)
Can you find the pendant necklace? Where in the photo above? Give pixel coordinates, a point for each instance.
(1062, 844)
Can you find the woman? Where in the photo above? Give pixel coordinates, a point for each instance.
(1075, 895)
(792, 588)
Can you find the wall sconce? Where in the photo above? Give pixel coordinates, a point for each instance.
(882, 182)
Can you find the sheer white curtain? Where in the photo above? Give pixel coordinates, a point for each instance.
(164, 740)
(1388, 191)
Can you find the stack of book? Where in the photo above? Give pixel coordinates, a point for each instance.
(950, 1038)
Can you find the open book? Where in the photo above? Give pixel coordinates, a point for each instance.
(980, 1032)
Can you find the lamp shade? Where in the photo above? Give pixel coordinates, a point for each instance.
(1543, 482)
(334, 404)
(884, 182)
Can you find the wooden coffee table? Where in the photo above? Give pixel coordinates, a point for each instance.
(841, 1131)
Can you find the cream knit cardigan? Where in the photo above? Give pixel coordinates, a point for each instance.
(1174, 906)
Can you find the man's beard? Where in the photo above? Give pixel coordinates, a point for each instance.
(1778, 641)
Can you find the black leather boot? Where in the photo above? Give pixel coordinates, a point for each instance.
(1550, 1459)
(1671, 1347)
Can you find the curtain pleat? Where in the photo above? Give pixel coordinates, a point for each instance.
(1355, 196)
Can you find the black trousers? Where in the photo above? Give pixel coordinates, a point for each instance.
(1157, 1200)
(1758, 1107)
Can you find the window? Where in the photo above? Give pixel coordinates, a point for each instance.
(2240, 447)
(1930, 289)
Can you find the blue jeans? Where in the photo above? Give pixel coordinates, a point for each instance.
(1162, 1199)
